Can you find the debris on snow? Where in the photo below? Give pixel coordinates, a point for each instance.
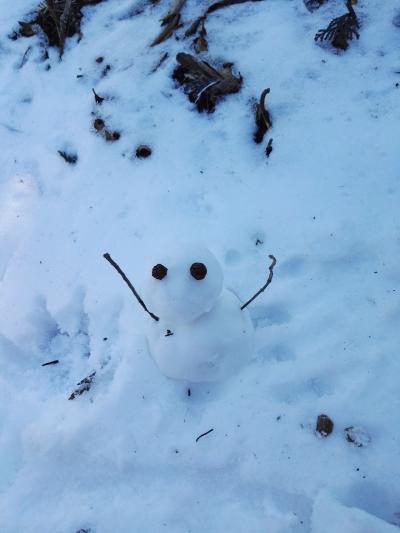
(269, 280)
(204, 84)
(143, 151)
(109, 135)
(68, 157)
(269, 148)
(170, 22)
(55, 362)
(204, 434)
(58, 19)
(162, 59)
(341, 30)
(263, 118)
(98, 99)
(98, 124)
(324, 425)
(112, 136)
(357, 436)
(198, 25)
(83, 386)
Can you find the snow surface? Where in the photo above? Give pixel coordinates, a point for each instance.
(123, 457)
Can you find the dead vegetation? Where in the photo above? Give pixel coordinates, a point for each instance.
(57, 19)
(97, 98)
(198, 25)
(170, 22)
(341, 30)
(83, 386)
(68, 157)
(203, 83)
(109, 135)
(263, 119)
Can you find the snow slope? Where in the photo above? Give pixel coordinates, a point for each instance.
(123, 457)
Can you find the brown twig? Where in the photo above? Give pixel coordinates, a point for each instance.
(204, 434)
(132, 288)
(56, 361)
(271, 274)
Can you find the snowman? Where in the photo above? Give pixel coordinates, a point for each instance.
(200, 330)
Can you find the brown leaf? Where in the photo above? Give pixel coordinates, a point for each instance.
(203, 83)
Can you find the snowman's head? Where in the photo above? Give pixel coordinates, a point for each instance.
(183, 283)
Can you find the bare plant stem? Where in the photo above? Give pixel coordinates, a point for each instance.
(132, 288)
(271, 274)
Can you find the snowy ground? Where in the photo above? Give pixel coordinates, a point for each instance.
(124, 457)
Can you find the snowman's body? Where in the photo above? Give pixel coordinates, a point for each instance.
(202, 334)
(212, 347)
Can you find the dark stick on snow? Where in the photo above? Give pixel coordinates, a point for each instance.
(271, 274)
(98, 99)
(204, 434)
(123, 275)
(51, 362)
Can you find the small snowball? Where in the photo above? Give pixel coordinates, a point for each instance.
(179, 297)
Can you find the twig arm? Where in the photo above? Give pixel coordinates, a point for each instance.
(271, 274)
(132, 288)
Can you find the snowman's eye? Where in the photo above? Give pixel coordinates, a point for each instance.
(198, 271)
(159, 271)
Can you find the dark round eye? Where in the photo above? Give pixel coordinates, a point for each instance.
(198, 271)
(159, 271)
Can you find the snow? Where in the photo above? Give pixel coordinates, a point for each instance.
(179, 297)
(123, 457)
(212, 347)
(329, 517)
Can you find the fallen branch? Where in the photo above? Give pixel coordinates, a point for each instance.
(132, 288)
(271, 274)
(203, 434)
